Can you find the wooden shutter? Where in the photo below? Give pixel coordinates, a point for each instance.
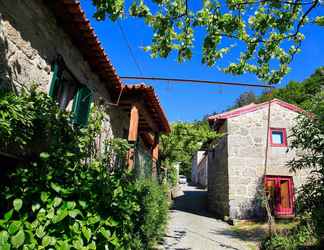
(53, 91)
(81, 106)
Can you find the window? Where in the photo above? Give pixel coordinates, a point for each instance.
(278, 137)
(279, 191)
(69, 93)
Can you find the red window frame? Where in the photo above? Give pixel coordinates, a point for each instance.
(278, 208)
(284, 137)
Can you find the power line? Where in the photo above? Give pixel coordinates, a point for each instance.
(130, 48)
(196, 81)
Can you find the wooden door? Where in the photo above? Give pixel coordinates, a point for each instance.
(280, 194)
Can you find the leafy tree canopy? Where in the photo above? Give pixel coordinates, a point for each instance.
(185, 139)
(298, 93)
(269, 32)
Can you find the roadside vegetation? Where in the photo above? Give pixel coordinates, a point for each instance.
(179, 146)
(65, 194)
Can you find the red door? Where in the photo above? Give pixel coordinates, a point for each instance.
(280, 194)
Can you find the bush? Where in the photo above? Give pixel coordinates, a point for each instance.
(154, 207)
(64, 195)
(298, 238)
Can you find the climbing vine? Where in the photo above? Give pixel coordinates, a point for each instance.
(61, 194)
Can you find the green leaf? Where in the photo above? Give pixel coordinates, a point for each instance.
(87, 233)
(44, 196)
(17, 203)
(35, 207)
(46, 241)
(73, 213)
(18, 239)
(61, 214)
(8, 215)
(83, 204)
(94, 219)
(4, 236)
(319, 20)
(56, 187)
(14, 227)
(111, 222)
(57, 201)
(114, 240)
(70, 205)
(105, 233)
(40, 232)
(44, 155)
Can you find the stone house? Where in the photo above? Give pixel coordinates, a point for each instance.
(236, 163)
(199, 169)
(52, 44)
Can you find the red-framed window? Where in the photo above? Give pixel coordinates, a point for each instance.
(280, 193)
(278, 137)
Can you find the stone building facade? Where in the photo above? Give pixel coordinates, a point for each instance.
(194, 165)
(41, 41)
(236, 163)
(202, 170)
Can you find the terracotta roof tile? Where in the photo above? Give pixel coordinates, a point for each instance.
(73, 20)
(156, 110)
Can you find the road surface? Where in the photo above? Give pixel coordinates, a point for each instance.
(192, 228)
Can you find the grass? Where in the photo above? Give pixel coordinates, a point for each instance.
(253, 232)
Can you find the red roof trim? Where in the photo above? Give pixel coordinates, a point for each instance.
(253, 107)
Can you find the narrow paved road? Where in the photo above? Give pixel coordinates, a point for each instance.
(192, 228)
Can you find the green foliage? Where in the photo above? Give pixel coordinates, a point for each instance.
(268, 32)
(172, 176)
(69, 196)
(308, 136)
(298, 238)
(183, 141)
(298, 93)
(154, 204)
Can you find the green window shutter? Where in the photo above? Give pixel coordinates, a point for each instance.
(81, 106)
(54, 82)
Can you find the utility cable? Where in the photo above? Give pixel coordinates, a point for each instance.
(195, 81)
(130, 50)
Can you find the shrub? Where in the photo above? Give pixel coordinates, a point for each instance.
(154, 206)
(64, 195)
(298, 238)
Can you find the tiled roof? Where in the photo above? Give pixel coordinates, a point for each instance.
(218, 119)
(155, 109)
(73, 20)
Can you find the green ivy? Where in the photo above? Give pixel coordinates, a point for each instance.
(67, 195)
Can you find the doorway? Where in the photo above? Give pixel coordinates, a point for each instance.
(280, 193)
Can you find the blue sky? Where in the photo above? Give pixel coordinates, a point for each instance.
(191, 102)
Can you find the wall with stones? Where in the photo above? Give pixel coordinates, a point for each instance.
(30, 39)
(195, 161)
(217, 186)
(247, 135)
(202, 171)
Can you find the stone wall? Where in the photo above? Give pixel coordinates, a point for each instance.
(202, 171)
(30, 39)
(218, 200)
(195, 161)
(247, 136)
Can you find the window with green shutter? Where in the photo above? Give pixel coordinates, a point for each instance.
(81, 106)
(64, 88)
(55, 82)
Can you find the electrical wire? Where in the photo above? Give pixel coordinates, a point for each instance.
(130, 50)
(195, 81)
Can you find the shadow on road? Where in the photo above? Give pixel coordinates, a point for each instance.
(193, 201)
